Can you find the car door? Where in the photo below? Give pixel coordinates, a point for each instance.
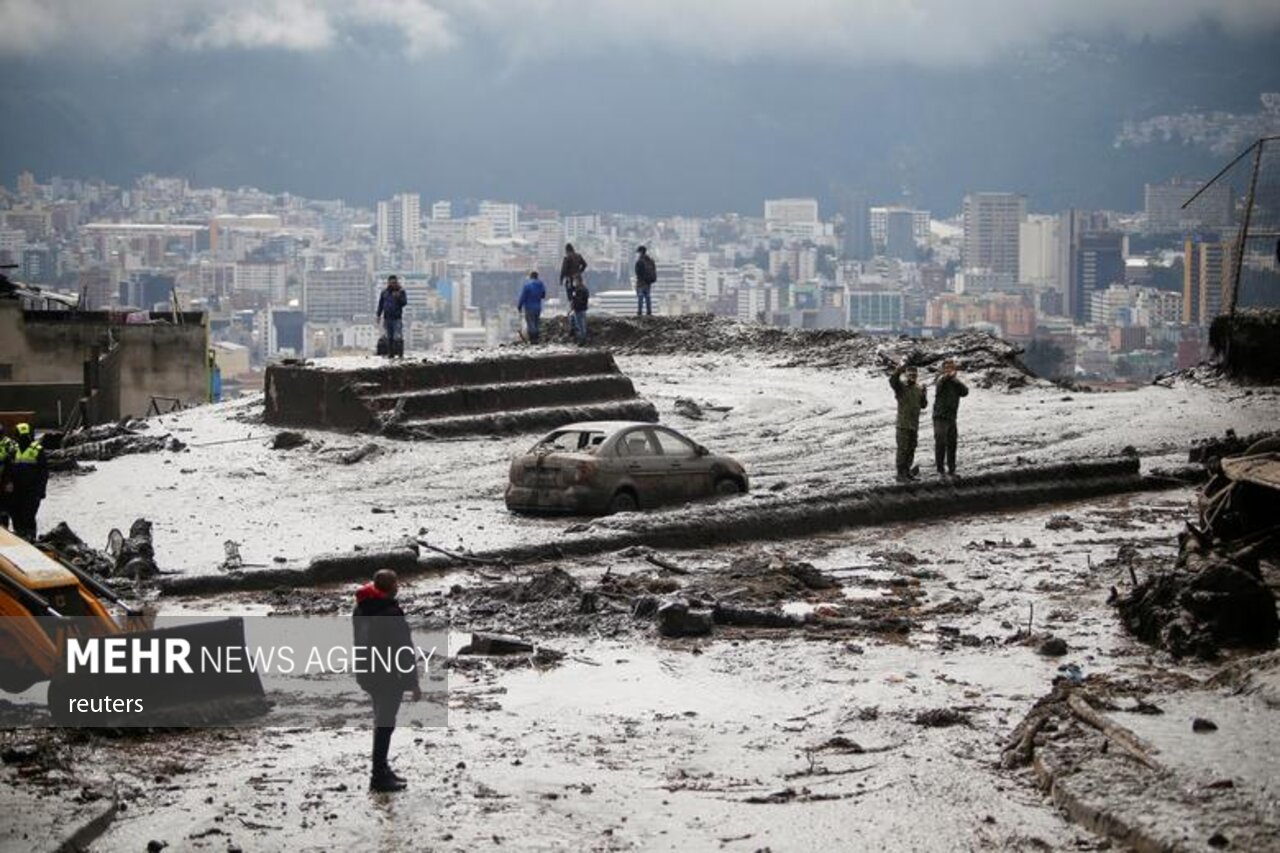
(688, 474)
(643, 465)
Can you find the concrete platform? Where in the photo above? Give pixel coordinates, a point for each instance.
(437, 397)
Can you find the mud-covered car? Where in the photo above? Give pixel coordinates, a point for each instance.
(617, 466)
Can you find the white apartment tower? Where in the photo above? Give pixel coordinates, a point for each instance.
(400, 221)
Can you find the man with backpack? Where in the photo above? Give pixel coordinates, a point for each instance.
(646, 275)
(571, 270)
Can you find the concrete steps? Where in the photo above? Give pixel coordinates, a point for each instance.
(432, 398)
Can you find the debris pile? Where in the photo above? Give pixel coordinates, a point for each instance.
(107, 441)
(129, 557)
(996, 361)
(1216, 596)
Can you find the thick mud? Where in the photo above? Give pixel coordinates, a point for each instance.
(801, 432)
(816, 735)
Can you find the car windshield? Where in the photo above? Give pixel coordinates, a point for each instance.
(570, 441)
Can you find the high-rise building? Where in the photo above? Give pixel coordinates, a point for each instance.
(1038, 250)
(503, 218)
(400, 221)
(875, 309)
(991, 224)
(442, 210)
(1099, 263)
(1211, 210)
(333, 296)
(900, 234)
(857, 227)
(1206, 278)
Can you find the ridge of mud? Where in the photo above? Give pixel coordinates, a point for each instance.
(687, 334)
(742, 520)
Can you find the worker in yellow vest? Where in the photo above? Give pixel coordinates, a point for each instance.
(23, 483)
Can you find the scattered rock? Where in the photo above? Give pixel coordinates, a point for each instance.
(287, 440)
(1053, 647)
(1062, 522)
(1200, 724)
(688, 408)
(676, 618)
(495, 644)
(941, 718)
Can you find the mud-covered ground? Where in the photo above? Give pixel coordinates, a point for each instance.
(798, 430)
(747, 739)
(878, 723)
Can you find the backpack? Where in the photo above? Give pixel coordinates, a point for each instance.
(650, 269)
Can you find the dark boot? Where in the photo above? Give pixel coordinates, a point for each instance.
(386, 782)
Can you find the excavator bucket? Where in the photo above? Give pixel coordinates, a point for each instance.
(149, 685)
(55, 625)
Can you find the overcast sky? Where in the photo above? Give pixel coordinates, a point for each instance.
(651, 105)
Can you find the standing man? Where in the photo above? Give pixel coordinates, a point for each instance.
(391, 304)
(912, 400)
(382, 634)
(946, 405)
(26, 474)
(578, 300)
(571, 270)
(530, 304)
(646, 275)
(8, 448)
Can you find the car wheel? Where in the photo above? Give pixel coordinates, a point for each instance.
(728, 486)
(623, 502)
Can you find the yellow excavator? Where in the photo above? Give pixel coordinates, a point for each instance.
(45, 601)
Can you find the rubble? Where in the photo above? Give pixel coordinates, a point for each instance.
(107, 441)
(994, 362)
(1215, 595)
(132, 556)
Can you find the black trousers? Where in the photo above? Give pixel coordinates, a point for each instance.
(23, 511)
(944, 444)
(906, 449)
(386, 704)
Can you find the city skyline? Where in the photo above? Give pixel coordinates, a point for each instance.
(637, 106)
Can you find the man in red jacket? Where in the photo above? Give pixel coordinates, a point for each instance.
(382, 634)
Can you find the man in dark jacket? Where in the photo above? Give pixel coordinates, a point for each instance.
(24, 480)
(912, 400)
(8, 449)
(946, 405)
(571, 270)
(391, 304)
(579, 297)
(382, 636)
(646, 275)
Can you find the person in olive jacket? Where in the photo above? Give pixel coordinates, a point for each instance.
(946, 405)
(912, 400)
(379, 626)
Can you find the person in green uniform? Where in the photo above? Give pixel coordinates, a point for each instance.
(946, 405)
(912, 400)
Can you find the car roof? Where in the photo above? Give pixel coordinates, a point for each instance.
(607, 427)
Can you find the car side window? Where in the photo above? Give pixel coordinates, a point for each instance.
(674, 445)
(636, 443)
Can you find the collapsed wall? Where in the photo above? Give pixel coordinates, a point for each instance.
(435, 398)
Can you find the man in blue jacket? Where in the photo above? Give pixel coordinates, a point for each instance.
(391, 304)
(530, 304)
